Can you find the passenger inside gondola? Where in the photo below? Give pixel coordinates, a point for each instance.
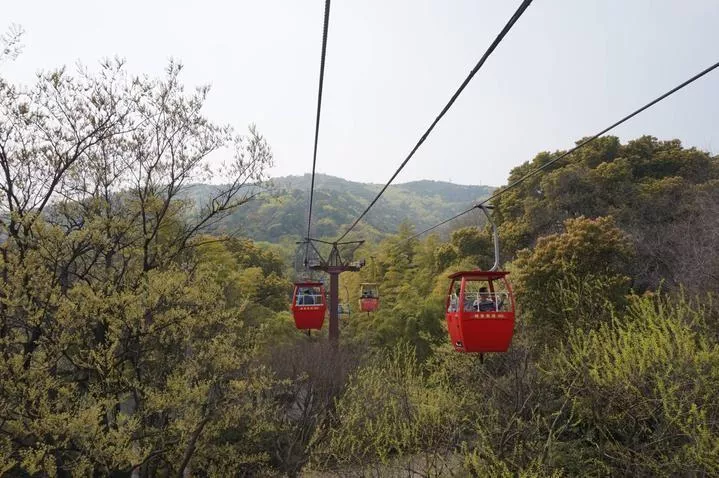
(480, 298)
(309, 296)
(484, 303)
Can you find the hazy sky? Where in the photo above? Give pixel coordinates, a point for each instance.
(566, 70)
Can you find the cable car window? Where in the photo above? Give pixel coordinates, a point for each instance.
(369, 291)
(309, 296)
(486, 296)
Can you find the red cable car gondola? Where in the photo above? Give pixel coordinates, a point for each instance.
(480, 311)
(309, 305)
(369, 297)
(480, 306)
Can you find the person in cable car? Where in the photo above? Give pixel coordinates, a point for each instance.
(306, 297)
(484, 302)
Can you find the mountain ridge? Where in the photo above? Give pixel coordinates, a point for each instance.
(280, 212)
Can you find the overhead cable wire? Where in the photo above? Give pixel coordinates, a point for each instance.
(461, 88)
(580, 145)
(443, 222)
(319, 108)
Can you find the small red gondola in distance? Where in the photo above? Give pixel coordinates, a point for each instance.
(309, 305)
(480, 311)
(369, 297)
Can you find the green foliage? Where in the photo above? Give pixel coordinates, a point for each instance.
(391, 409)
(445, 255)
(123, 342)
(252, 276)
(573, 276)
(306, 391)
(409, 311)
(111, 378)
(645, 184)
(473, 244)
(281, 211)
(643, 391)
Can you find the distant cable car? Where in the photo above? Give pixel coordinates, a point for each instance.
(480, 307)
(480, 311)
(309, 305)
(369, 297)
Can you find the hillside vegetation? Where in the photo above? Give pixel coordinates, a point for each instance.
(279, 213)
(136, 339)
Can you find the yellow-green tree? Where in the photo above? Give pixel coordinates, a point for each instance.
(394, 414)
(120, 349)
(646, 184)
(579, 274)
(641, 392)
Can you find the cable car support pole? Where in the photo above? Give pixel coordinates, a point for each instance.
(334, 304)
(334, 265)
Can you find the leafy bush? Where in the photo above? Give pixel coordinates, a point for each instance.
(393, 409)
(644, 392)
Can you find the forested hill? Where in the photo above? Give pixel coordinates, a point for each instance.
(281, 210)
